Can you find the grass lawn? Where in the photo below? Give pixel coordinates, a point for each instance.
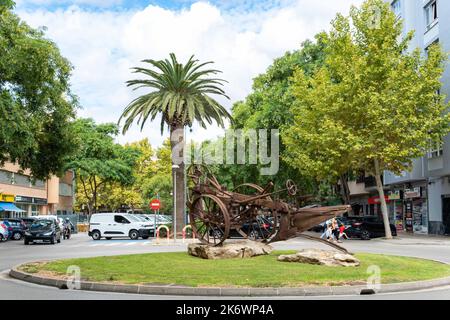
(264, 271)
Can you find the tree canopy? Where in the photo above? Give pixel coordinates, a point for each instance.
(269, 107)
(98, 160)
(374, 104)
(36, 103)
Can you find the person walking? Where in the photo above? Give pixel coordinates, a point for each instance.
(335, 230)
(342, 233)
(326, 230)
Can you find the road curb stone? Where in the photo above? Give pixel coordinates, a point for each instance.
(230, 292)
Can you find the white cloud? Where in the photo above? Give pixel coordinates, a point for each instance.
(103, 46)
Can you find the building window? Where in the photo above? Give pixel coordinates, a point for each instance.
(436, 150)
(65, 189)
(431, 14)
(34, 210)
(6, 177)
(397, 7)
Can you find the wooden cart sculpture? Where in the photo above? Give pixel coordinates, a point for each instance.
(215, 212)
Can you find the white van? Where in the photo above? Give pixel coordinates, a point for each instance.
(112, 225)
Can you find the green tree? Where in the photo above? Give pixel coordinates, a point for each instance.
(98, 160)
(374, 105)
(269, 107)
(180, 96)
(36, 104)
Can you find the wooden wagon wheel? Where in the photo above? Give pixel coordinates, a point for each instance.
(262, 230)
(210, 219)
(198, 174)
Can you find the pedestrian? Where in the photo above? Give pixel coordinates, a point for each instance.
(335, 230)
(342, 233)
(326, 230)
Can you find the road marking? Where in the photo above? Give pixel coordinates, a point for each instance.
(129, 244)
(96, 245)
(112, 244)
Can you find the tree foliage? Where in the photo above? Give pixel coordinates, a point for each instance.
(98, 160)
(269, 107)
(36, 104)
(374, 105)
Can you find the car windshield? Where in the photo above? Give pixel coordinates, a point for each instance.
(41, 224)
(133, 218)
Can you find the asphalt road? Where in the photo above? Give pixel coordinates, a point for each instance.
(13, 253)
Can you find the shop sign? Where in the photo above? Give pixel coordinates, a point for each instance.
(413, 193)
(7, 197)
(40, 201)
(22, 199)
(377, 200)
(394, 195)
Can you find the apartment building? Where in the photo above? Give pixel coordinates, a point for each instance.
(422, 196)
(22, 196)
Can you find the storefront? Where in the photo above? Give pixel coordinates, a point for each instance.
(396, 210)
(7, 207)
(416, 210)
(31, 205)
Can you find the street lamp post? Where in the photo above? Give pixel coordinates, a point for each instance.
(175, 167)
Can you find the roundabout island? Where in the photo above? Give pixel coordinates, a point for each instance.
(178, 273)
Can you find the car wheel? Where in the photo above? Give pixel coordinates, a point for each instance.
(2, 239)
(108, 238)
(26, 242)
(365, 235)
(134, 234)
(145, 237)
(17, 236)
(96, 235)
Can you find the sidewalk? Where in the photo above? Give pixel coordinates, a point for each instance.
(416, 239)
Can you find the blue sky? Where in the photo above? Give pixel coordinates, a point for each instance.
(104, 39)
(227, 5)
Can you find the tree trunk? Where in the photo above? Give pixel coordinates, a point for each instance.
(177, 145)
(345, 189)
(384, 211)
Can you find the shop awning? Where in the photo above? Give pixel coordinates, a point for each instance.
(6, 206)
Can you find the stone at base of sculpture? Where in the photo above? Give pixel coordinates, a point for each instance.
(232, 250)
(321, 257)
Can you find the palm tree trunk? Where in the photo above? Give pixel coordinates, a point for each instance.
(177, 145)
(384, 211)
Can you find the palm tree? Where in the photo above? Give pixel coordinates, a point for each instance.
(180, 95)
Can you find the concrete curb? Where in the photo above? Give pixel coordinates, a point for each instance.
(232, 292)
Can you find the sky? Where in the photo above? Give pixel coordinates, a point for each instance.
(104, 39)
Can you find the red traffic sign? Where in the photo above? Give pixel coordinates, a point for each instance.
(155, 204)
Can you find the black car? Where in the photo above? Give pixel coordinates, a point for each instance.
(17, 228)
(43, 230)
(367, 228)
(261, 228)
(28, 222)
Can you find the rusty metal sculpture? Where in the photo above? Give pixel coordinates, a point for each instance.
(214, 211)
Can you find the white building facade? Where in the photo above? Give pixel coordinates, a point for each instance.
(421, 198)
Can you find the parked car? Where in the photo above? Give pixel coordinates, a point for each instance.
(111, 225)
(261, 228)
(16, 228)
(43, 230)
(9, 228)
(4, 234)
(367, 228)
